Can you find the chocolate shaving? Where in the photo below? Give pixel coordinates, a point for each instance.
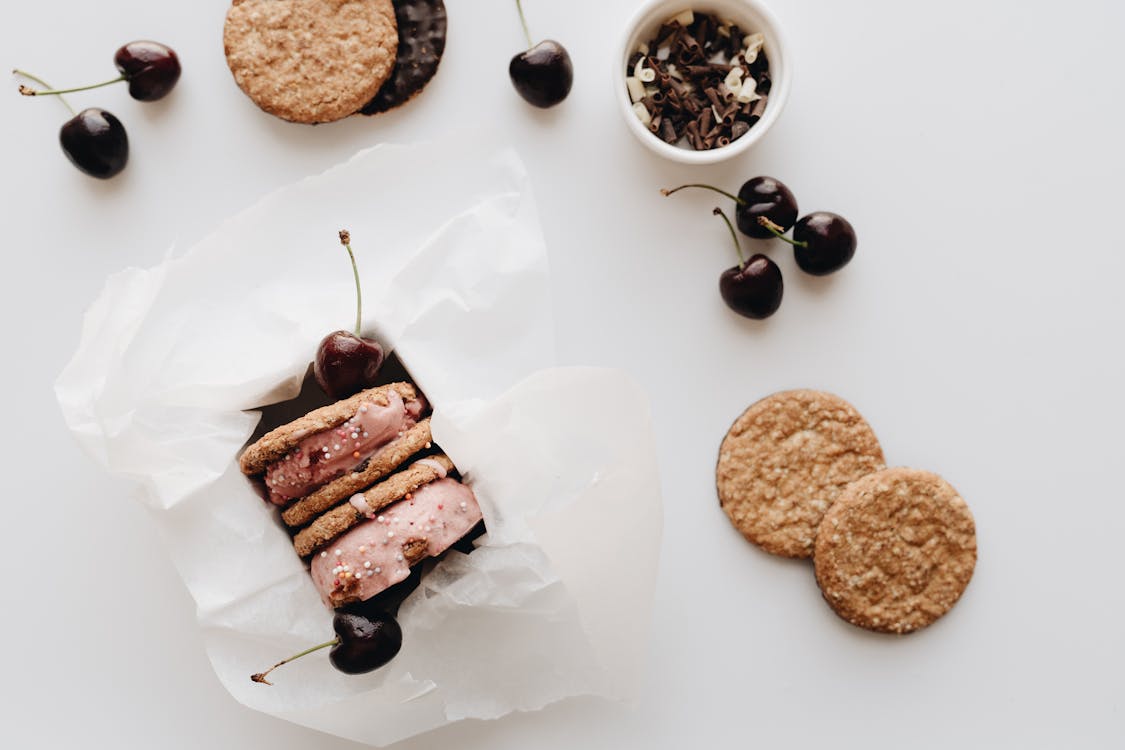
(739, 129)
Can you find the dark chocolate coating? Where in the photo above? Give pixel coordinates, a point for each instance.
(422, 27)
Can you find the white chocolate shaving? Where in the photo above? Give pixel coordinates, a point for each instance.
(642, 113)
(636, 88)
(752, 43)
(748, 93)
(684, 19)
(645, 75)
(733, 80)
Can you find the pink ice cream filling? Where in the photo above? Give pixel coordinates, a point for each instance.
(328, 455)
(378, 553)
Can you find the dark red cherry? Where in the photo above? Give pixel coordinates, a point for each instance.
(543, 75)
(95, 141)
(753, 289)
(151, 69)
(765, 196)
(346, 364)
(823, 242)
(365, 643)
(758, 198)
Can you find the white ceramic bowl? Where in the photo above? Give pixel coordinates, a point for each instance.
(751, 16)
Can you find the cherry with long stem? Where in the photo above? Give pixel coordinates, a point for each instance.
(543, 73)
(758, 196)
(260, 677)
(754, 287)
(346, 363)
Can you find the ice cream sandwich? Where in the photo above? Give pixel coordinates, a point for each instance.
(361, 477)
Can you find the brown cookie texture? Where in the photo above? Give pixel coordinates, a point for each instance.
(386, 460)
(310, 61)
(784, 462)
(343, 517)
(896, 550)
(276, 443)
(422, 26)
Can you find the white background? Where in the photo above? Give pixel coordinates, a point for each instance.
(975, 146)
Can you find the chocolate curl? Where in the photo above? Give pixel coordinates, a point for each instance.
(759, 109)
(689, 51)
(668, 132)
(760, 65)
(734, 46)
(739, 129)
(705, 120)
(713, 97)
(765, 83)
(632, 62)
(727, 119)
(654, 123)
(722, 141)
(658, 99)
(701, 24)
(692, 133)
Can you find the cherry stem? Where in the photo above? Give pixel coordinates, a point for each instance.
(776, 231)
(734, 198)
(346, 241)
(523, 20)
(733, 236)
(261, 676)
(56, 92)
(24, 89)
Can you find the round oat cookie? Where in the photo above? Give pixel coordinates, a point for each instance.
(311, 61)
(785, 460)
(895, 551)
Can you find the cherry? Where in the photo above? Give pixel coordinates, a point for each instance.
(543, 73)
(151, 69)
(95, 141)
(823, 242)
(754, 287)
(758, 197)
(829, 243)
(363, 643)
(345, 363)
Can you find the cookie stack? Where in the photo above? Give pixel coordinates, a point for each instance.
(314, 61)
(801, 474)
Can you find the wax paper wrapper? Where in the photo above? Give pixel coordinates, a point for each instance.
(556, 599)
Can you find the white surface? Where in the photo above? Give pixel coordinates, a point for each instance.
(974, 146)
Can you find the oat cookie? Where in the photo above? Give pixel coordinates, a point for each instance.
(343, 517)
(895, 551)
(785, 460)
(422, 28)
(311, 61)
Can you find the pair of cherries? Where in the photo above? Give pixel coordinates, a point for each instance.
(94, 140)
(823, 242)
